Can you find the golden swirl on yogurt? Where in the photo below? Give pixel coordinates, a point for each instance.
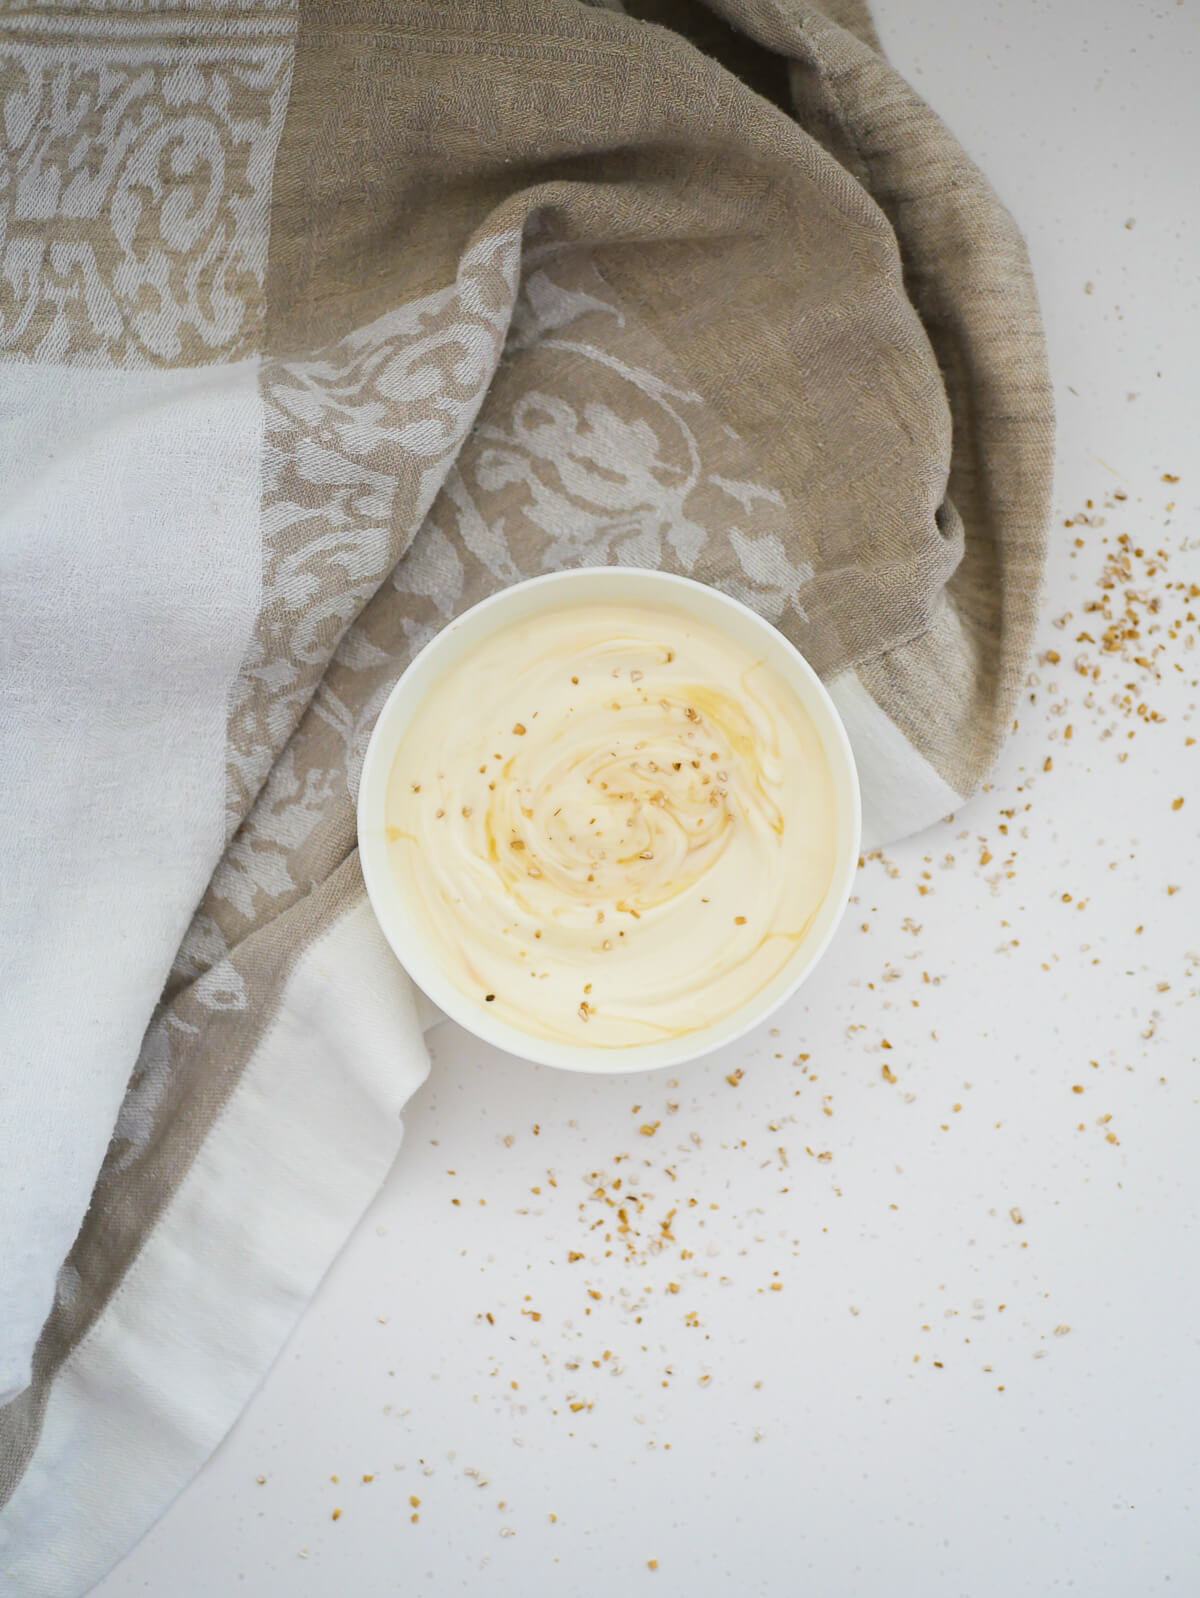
(613, 824)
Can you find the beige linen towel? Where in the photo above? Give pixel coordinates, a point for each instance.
(317, 324)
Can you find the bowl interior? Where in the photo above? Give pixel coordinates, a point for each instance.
(612, 584)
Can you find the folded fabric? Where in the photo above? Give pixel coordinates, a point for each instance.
(317, 324)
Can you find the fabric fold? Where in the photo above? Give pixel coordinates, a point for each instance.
(402, 304)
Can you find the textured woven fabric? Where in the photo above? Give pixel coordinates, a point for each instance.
(317, 325)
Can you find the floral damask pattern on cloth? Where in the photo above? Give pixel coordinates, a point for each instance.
(593, 451)
(587, 454)
(358, 438)
(135, 191)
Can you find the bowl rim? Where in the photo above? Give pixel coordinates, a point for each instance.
(402, 934)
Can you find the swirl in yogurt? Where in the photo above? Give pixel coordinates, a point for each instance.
(613, 824)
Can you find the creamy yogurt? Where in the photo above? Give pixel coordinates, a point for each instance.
(613, 824)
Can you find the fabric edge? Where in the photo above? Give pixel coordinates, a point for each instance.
(283, 1177)
(901, 791)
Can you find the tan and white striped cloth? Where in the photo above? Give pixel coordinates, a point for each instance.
(318, 322)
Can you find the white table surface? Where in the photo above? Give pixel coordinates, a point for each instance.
(938, 1400)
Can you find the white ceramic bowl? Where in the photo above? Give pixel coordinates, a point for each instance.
(616, 585)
